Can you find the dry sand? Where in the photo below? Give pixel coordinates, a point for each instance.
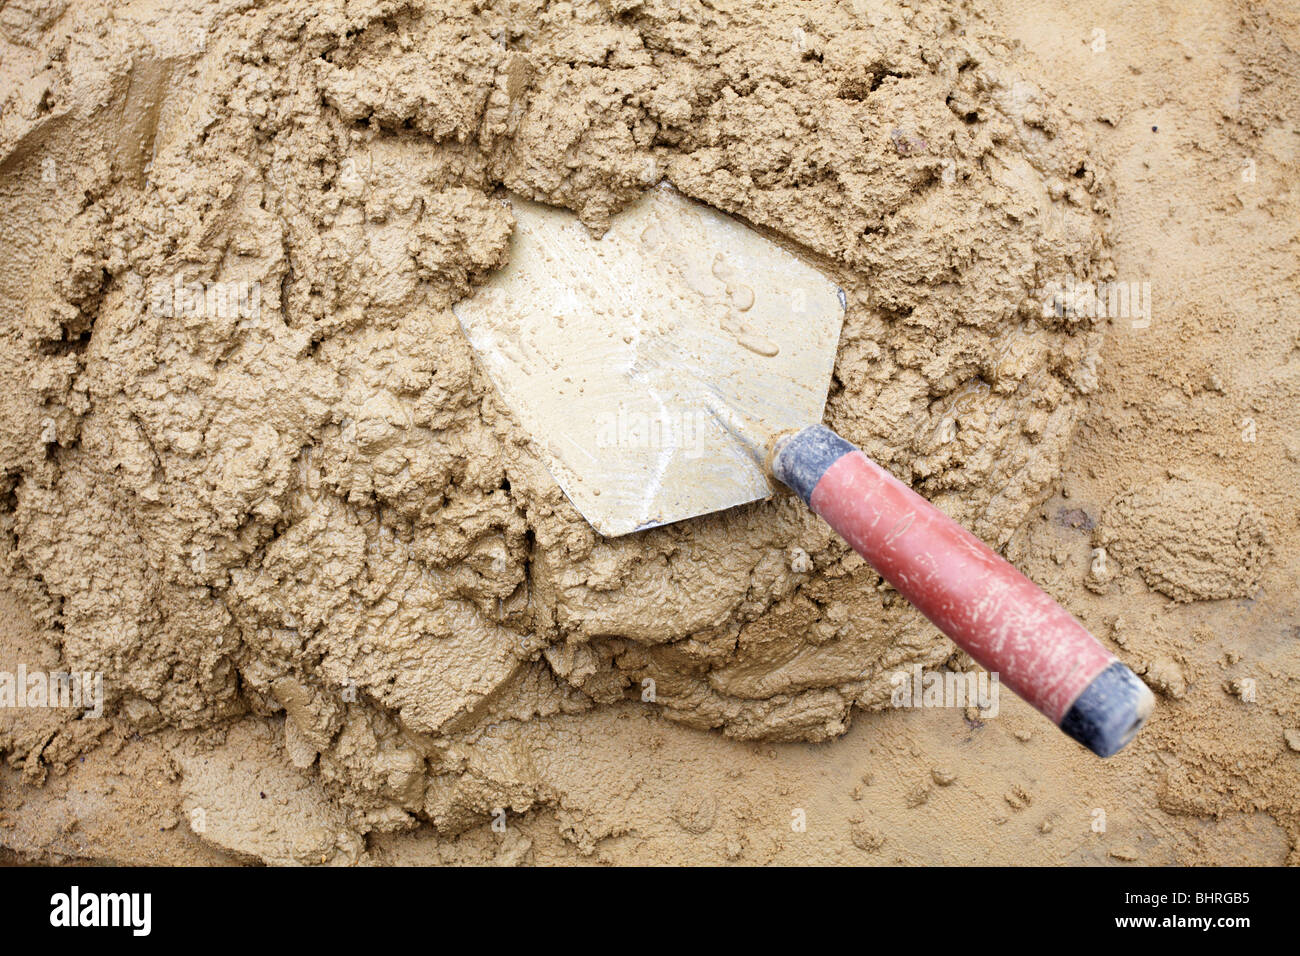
(342, 612)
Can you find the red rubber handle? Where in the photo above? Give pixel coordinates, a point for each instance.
(1001, 618)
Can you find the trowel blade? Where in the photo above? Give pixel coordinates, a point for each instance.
(650, 366)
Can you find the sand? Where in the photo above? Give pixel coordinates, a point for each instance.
(251, 473)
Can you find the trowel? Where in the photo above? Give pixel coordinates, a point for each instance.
(678, 363)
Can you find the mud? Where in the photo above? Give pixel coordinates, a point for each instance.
(252, 473)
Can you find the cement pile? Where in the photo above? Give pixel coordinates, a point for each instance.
(249, 468)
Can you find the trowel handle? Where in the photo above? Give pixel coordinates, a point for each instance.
(996, 614)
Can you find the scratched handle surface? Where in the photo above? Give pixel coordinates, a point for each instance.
(996, 614)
